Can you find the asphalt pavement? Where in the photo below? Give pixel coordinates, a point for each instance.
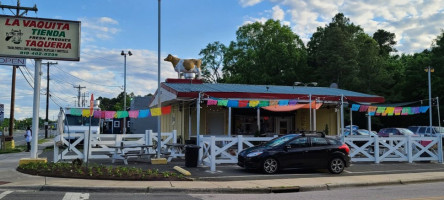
(228, 179)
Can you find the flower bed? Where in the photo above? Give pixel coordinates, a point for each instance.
(68, 170)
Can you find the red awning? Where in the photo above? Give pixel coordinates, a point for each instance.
(277, 108)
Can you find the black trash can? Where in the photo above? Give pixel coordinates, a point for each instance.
(191, 155)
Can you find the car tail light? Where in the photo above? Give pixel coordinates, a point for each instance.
(345, 147)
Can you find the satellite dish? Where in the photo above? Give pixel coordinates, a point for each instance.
(334, 85)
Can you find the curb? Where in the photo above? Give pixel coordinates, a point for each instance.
(264, 190)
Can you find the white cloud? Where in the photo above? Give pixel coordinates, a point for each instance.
(415, 23)
(103, 28)
(107, 20)
(278, 13)
(246, 3)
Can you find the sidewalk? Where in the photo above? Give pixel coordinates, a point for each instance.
(11, 179)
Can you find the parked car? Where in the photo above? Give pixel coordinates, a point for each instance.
(314, 151)
(386, 132)
(425, 130)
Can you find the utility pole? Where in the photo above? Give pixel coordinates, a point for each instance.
(14, 68)
(79, 95)
(47, 96)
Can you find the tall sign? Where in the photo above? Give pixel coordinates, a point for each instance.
(39, 38)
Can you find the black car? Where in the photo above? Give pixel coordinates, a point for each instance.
(314, 151)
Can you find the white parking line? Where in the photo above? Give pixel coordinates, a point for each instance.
(76, 196)
(3, 194)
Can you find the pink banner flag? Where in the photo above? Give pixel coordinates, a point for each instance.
(97, 114)
(133, 113)
(211, 102)
(363, 108)
(398, 110)
(109, 114)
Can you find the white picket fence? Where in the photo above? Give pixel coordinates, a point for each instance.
(395, 148)
(217, 150)
(100, 143)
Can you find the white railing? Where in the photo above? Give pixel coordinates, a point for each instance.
(99, 148)
(395, 148)
(217, 150)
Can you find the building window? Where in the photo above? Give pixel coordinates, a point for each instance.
(116, 124)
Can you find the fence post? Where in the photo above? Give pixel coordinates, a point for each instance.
(150, 140)
(201, 149)
(213, 153)
(56, 149)
(85, 147)
(240, 143)
(440, 159)
(409, 148)
(174, 137)
(376, 149)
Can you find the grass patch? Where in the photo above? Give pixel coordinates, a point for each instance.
(78, 170)
(17, 149)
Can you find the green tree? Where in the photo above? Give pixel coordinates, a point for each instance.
(265, 53)
(333, 52)
(213, 56)
(115, 104)
(386, 41)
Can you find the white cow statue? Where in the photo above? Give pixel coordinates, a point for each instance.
(185, 65)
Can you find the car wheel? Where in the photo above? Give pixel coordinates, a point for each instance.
(336, 166)
(270, 166)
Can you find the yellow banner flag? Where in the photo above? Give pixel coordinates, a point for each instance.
(156, 112)
(254, 103)
(85, 113)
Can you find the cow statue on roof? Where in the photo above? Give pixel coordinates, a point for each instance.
(187, 66)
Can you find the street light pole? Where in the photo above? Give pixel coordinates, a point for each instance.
(124, 87)
(429, 70)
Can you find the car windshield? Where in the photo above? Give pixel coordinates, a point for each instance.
(405, 131)
(280, 140)
(439, 129)
(362, 132)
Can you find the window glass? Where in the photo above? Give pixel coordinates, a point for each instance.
(315, 141)
(278, 141)
(332, 141)
(422, 130)
(299, 142)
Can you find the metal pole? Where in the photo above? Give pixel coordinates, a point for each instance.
(229, 121)
(159, 127)
(369, 123)
(430, 98)
(437, 108)
(258, 112)
(11, 113)
(351, 119)
(198, 120)
(124, 91)
(342, 116)
(47, 100)
(309, 110)
(36, 107)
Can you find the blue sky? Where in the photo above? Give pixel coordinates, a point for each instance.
(109, 26)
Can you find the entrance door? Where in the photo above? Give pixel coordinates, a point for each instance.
(283, 125)
(215, 123)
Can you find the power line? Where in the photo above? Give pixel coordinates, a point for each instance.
(85, 80)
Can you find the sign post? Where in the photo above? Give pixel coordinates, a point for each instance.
(91, 112)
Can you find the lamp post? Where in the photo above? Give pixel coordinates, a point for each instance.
(309, 101)
(429, 70)
(124, 86)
